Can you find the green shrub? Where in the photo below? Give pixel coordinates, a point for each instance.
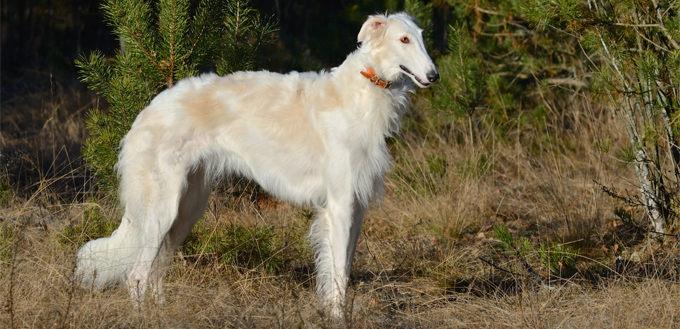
(556, 258)
(161, 45)
(239, 246)
(7, 240)
(94, 226)
(474, 167)
(633, 48)
(422, 176)
(6, 191)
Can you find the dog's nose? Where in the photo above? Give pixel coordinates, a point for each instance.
(432, 76)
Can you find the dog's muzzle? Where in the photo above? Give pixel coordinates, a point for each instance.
(431, 76)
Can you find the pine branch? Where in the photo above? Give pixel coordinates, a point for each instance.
(91, 74)
(138, 41)
(203, 28)
(123, 108)
(172, 24)
(173, 32)
(663, 28)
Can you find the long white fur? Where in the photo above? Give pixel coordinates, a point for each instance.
(310, 138)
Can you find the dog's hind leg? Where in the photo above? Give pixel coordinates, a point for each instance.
(191, 207)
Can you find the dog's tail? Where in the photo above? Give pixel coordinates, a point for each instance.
(108, 260)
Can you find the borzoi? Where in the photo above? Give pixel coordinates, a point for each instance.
(314, 139)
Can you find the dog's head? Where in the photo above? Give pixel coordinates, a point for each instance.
(395, 44)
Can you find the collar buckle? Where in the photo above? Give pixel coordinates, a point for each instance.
(373, 77)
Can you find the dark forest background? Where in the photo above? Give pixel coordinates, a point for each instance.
(43, 103)
(42, 37)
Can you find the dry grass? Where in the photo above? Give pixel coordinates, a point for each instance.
(41, 132)
(426, 257)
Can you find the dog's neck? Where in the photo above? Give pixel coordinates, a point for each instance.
(385, 106)
(358, 62)
(373, 77)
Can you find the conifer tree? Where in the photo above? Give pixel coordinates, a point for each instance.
(501, 51)
(635, 49)
(161, 44)
(494, 65)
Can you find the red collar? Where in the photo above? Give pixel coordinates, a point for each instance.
(370, 75)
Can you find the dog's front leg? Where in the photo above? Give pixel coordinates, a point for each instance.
(335, 234)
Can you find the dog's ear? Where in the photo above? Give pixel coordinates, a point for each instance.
(374, 27)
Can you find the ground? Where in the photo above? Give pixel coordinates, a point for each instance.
(430, 254)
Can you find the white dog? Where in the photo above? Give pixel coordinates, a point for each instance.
(311, 138)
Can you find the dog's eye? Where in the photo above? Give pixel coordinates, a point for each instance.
(405, 40)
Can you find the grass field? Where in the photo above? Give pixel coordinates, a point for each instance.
(430, 255)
